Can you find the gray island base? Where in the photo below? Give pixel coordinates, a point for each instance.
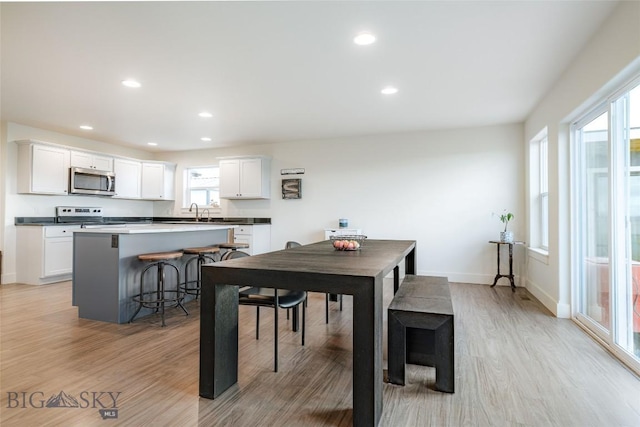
(106, 270)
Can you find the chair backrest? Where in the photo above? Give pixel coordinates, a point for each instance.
(291, 244)
(234, 254)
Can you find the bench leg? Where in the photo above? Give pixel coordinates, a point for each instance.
(445, 375)
(397, 348)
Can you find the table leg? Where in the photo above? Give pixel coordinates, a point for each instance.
(498, 275)
(218, 336)
(511, 280)
(397, 340)
(444, 345)
(367, 353)
(396, 279)
(410, 262)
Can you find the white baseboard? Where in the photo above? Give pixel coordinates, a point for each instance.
(8, 278)
(560, 310)
(478, 279)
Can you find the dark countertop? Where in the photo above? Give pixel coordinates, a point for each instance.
(51, 220)
(225, 220)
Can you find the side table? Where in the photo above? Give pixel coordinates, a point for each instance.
(510, 275)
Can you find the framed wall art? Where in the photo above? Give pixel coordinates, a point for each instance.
(291, 188)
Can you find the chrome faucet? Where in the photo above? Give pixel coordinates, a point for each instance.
(208, 215)
(191, 209)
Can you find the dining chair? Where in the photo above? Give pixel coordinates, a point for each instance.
(293, 244)
(272, 298)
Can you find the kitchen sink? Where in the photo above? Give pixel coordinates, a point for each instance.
(194, 222)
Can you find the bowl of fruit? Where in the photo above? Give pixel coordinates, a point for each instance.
(347, 243)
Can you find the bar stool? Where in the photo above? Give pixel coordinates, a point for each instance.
(161, 296)
(192, 287)
(230, 247)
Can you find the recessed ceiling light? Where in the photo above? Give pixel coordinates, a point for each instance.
(131, 83)
(152, 143)
(205, 139)
(86, 127)
(205, 114)
(364, 39)
(389, 90)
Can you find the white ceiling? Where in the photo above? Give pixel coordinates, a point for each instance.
(281, 71)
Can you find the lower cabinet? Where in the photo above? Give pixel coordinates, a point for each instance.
(44, 254)
(257, 236)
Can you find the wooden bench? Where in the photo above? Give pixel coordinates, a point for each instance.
(420, 329)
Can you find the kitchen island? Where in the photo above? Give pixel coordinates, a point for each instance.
(106, 270)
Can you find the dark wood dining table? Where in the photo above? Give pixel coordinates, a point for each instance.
(316, 267)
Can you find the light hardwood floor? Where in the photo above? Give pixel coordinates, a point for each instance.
(516, 365)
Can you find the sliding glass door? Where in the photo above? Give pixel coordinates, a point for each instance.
(606, 218)
(593, 209)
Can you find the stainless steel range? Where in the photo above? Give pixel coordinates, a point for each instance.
(88, 217)
(79, 215)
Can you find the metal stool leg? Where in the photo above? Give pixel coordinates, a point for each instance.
(275, 325)
(179, 296)
(326, 308)
(141, 295)
(200, 260)
(258, 322)
(161, 296)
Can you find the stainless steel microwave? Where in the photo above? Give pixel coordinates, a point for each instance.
(92, 181)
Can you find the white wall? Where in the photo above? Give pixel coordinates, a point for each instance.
(439, 188)
(18, 205)
(611, 57)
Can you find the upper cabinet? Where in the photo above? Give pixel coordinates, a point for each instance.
(245, 178)
(42, 169)
(158, 181)
(128, 178)
(83, 159)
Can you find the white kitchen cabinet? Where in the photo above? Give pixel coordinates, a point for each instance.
(42, 168)
(128, 178)
(257, 236)
(83, 159)
(245, 178)
(158, 181)
(44, 253)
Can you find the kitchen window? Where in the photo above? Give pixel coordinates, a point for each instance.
(202, 187)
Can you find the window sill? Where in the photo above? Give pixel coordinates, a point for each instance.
(539, 255)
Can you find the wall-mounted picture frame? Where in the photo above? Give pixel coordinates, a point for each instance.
(291, 188)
